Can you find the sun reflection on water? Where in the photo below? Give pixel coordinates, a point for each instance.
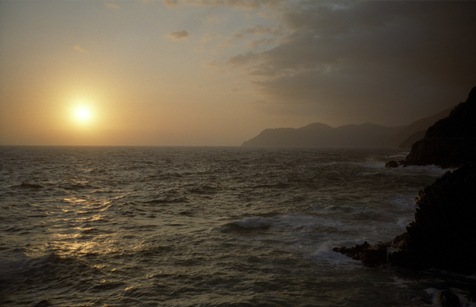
(76, 246)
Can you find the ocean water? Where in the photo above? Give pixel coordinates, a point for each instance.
(119, 226)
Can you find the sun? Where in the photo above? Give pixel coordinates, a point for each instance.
(82, 113)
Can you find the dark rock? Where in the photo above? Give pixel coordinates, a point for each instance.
(443, 234)
(420, 301)
(451, 141)
(444, 152)
(448, 299)
(370, 255)
(391, 164)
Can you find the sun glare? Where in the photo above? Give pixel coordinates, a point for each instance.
(82, 114)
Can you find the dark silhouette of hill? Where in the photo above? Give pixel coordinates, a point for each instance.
(324, 136)
(318, 135)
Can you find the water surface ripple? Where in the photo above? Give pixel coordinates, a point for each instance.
(203, 226)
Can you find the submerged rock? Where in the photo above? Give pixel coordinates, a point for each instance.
(448, 299)
(391, 164)
(370, 255)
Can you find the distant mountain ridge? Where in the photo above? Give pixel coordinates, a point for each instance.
(368, 135)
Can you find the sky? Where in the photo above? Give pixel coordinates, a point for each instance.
(217, 72)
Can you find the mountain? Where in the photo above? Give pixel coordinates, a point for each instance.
(318, 135)
(324, 136)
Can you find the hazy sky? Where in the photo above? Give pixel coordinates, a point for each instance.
(217, 72)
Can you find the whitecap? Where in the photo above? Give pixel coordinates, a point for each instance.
(404, 200)
(325, 253)
(308, 222)
(462, 296)
(403, 222)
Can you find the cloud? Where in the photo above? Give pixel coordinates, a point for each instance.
(259, 30)
(80, 49)
(170, 3)
(215, 19)
(368, 58)
(247, 4)
(179, 35)
(255, 38)
(112, 5)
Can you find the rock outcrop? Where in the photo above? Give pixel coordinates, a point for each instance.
(443, 233)
(391, 164)
(451, 141)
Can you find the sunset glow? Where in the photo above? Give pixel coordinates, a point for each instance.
(82, 114)
(217, 73)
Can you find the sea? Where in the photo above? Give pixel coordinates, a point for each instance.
(207, 226)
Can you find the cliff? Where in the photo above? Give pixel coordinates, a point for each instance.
(443, 233)
(451, 141)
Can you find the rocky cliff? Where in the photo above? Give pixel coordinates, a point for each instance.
(443, 233)
(451, 141)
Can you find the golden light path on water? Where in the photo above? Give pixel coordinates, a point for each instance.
(201, 226)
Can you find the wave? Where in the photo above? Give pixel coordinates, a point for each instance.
(404, 200)
(77, 186)
(28, 185)
(22, 265)
(203, 190)
(453, 297)
(248, 224)
(325, 253)
(167, 200)
(102, 233)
